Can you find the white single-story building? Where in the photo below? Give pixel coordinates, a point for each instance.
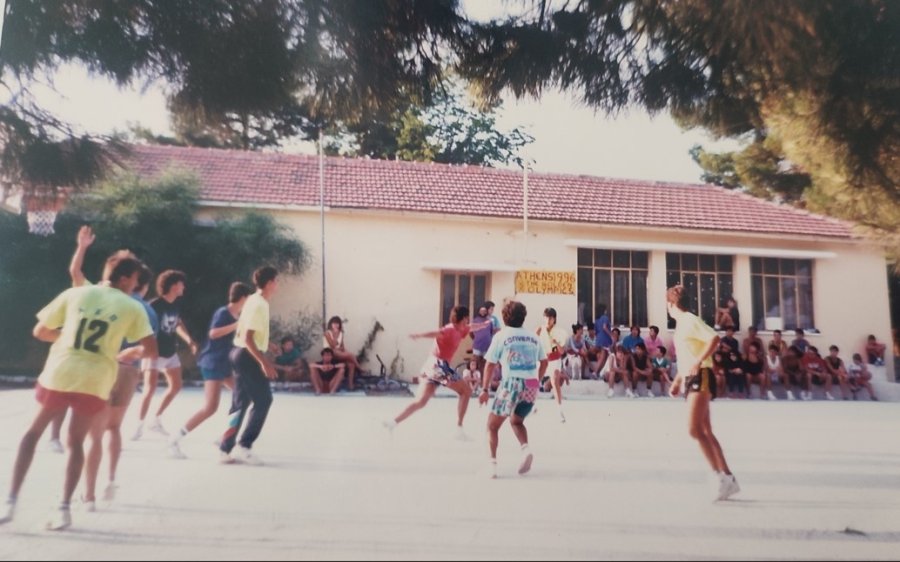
(401, 243)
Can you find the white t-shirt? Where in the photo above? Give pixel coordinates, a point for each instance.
(518, 351)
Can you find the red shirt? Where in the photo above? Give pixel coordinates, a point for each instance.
(814, 364)
(448, 341)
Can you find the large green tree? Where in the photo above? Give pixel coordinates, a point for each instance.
(450, 130)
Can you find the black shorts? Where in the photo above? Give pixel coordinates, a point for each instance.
(704, 381)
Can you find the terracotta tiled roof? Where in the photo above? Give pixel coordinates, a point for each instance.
(281, 179)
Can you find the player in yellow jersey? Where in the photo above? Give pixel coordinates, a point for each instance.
(86, 326)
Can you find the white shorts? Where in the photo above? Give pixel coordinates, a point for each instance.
(161, 364)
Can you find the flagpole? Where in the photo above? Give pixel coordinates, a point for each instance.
(322, 221)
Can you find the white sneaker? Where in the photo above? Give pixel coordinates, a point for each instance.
(629, 394)
(790, 395)
(562, 417)
(611, 393)
(174, 451)
(226, 458)
(650, 394)
(526, 462)
(60, 520)
(828, 396)
(807, 395)
(389, 425)
(9, 511)
(771, 396)
(492, 470)
(728, 487)
(157, 426)
(138, 433)
(461, 434)
(109, 494)
(246, 456)
(89, 506)
(56, 446)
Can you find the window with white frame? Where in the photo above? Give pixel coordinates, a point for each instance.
(708, 281)
(782, 293)
(616, 278)
(462, 288)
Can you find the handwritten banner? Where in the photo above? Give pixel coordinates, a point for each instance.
(546, 282)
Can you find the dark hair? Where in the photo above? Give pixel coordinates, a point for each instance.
(616, 330)
(814, 349)
(264, 275)
(640, 345)
(144, 278)
(489, 304)
(776, 332)
(752, 346)
(677, 296)
(576, 327)
(857, 357)
(334, 319)
(795, 350)
(636, 327)
(601, 310)
(773, 346)
(514, 314)
(458, 314)
(654, 329)
(799, 331)
(871, 337)
(752, 328)
(286, 339)
(550, 312)
(238, 291)
(326, 350)
(833, 348)
(119, 267)
(663, 349)
(168, 279)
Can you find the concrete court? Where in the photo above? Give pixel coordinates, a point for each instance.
(620, 480)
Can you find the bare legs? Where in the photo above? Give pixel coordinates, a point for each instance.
(700, 428)
(426, 392)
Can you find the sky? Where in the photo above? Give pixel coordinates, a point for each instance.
(569, 137)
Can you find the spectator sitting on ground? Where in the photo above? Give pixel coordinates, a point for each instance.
(593, 354)
(875, 351)
(632, 339)
(615, 335)
(794, 373)
(662, 369)
(735, 377)
(729, 339)
(816, 373)
(718, 359)
(756, 372)
(642, 368)
(576, 358)
(653, 341)
(326, 373)
(472, 375)
(728, 315)
(289, 365)
(858, 375)
(334, 339)
(773, 368)
(620, 368)
(800, 341)
(779, 342)
(835, 367)
(752, 337)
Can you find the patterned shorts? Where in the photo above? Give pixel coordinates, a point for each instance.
(437, 371)
(515, 396)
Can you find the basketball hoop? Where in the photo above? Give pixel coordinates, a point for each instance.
(41, 211)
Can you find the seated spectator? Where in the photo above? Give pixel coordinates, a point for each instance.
(632, 339)
(718, 359)
(662, 369)
(642, 369)
(875, 351)
(858, 377)
(752, 337)
(735, 378)
(773, 368)
(816, 372)
(794, 373)
(615, 336)
(756, 371)
(334, 339)
(729, 339)
(472, 375)
(728, 315)
(835, 367)
(593, 354)
(800, 341)
(289, 364)
(619, 369)
(653, 341)
(576, 358)
(779, 343)
(326, 374)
